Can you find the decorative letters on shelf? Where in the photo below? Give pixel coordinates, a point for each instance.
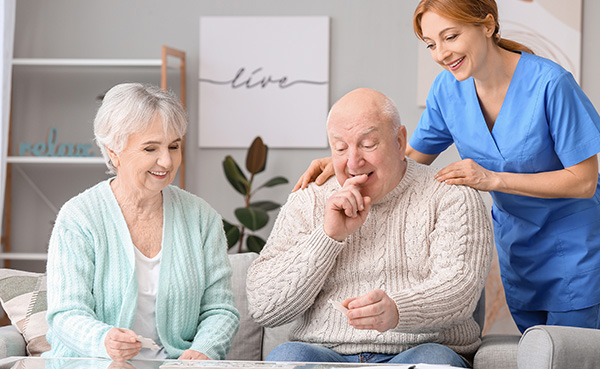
(50, 147)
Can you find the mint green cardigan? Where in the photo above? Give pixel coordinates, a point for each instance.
(92, 286)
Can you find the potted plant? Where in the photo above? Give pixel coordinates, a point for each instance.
(253, 215)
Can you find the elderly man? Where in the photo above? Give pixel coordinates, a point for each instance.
(382, 263)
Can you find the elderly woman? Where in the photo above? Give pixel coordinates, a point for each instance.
(134, 258)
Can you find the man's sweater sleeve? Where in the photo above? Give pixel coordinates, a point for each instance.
(460, 245)
(292, 268)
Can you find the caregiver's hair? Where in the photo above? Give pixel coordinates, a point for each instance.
(472, 12)
(130, 108)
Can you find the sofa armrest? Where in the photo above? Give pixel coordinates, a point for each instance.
(554, 347)
(11, 342)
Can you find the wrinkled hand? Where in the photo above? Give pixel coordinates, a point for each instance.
(375, 310)
(193, 355)
(346, 210)
(121, 344)
(318, 171)
(467, 172)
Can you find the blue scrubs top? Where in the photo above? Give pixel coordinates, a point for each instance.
(549, 249)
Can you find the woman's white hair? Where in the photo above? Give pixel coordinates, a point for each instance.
(130, 108)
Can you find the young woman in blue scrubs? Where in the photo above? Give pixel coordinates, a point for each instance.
(527, 134)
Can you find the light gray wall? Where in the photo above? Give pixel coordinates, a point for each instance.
(372, 45)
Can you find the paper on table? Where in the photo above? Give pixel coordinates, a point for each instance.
(219, 364)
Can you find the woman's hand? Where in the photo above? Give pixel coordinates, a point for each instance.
(121, 344)
(576, 181)
(193, 355)
(468, 173)
(318, 171)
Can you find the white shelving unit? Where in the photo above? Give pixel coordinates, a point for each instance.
(169, 55)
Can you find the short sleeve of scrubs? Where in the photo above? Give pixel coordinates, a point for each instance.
(573, 121)
(432, 135)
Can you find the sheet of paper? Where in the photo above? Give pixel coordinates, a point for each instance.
(219, 364)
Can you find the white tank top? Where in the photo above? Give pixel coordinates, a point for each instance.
(145, 316)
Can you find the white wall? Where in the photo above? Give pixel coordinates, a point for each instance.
(372, 45)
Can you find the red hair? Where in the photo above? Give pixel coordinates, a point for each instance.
(472, 12)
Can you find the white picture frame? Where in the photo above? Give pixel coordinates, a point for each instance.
(263, 76)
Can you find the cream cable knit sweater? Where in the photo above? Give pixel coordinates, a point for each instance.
(426, 244)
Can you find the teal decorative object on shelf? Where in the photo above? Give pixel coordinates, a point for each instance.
(51, 148)
(254, 215)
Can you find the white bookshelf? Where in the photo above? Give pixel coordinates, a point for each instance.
(170, 59)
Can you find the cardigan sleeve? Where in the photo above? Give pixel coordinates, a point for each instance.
(294, 264)
(460, 245)
(71, 303)
(219, 318)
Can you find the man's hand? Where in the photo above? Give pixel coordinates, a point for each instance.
(193, 355)
(346, 210)
(121, 344)
(375, 310)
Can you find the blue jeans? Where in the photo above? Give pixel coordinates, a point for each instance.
(584, 318)
(427, 353)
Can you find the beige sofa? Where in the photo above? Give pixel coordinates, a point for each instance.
(540, 347)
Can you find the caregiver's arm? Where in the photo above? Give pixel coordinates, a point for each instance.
(419, 157)
(321, 169)
(577, 181)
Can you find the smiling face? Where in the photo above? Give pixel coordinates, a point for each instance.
(363, 140)
(149, 161)
(460, 48)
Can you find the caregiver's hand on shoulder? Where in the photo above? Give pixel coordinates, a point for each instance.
(193, 355)
(375, 310)
(121, 344)
(468, 173)
(318, 171)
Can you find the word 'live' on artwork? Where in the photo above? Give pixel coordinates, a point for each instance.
(242, 79)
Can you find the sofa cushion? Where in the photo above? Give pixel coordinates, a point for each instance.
(497, 351)
(247, 343)
(23, 297)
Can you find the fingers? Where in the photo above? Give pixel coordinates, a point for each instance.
(467, 172)
(321, 169)
(367, 299)
(375, 310)
(327, 172)
(121, 344)
(193, 355)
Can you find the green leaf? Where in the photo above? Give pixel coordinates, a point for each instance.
(232, 232)
(235, 176)
(252, 218)
(274, 182)
(256, 159)
(255, 243)
(265, 205)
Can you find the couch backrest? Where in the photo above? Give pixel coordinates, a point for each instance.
(247, 344)
(252, 342)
